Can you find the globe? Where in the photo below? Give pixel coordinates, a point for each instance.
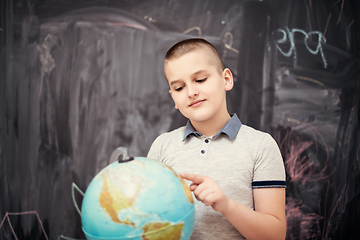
(140, 199)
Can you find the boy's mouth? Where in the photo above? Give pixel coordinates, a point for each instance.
(196, 103)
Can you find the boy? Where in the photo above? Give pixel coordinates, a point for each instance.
(235, 169)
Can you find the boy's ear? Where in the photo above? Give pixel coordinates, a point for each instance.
(176, 107)
(228, 78)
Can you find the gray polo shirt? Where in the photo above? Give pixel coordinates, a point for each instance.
(239, 158)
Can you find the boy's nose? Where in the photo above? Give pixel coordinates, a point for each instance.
(192, 91)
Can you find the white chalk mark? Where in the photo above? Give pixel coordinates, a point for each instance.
(192, 29)
(289, 35)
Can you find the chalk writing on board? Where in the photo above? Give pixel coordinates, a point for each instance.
(288, 34)
(7, 217)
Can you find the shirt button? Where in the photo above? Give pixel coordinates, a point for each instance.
(206, 140)
(202, 151)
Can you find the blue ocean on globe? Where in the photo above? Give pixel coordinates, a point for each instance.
(139, 199)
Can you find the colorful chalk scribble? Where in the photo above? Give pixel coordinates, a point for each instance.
(14, 234)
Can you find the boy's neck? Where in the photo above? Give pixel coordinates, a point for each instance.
(211, 127)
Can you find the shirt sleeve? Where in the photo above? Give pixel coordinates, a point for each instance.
(155, 149)
(269, 170)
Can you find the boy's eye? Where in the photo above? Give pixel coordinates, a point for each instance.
(201, 80)
(178, 89)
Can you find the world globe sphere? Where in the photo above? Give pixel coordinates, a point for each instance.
(140, 199)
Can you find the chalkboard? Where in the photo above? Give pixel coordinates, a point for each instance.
(80, 78)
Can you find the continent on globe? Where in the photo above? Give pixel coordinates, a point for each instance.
(162, 231)
(114, 201)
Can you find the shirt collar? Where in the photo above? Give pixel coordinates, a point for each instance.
(231, 128)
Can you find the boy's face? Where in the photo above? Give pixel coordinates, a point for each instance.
(197, 85)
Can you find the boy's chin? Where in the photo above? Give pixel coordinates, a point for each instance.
(200, 118)
(199, 115)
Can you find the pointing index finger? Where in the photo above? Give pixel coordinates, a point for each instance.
(197, 179)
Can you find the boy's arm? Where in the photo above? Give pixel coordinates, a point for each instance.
(268, 221)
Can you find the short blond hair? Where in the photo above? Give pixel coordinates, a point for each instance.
(191, 44)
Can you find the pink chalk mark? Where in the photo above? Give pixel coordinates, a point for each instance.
(308, 223)
(7, 217)
(301, 169)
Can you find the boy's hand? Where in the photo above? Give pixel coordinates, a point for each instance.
(207, 191)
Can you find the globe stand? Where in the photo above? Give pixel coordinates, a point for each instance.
(120, 155)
